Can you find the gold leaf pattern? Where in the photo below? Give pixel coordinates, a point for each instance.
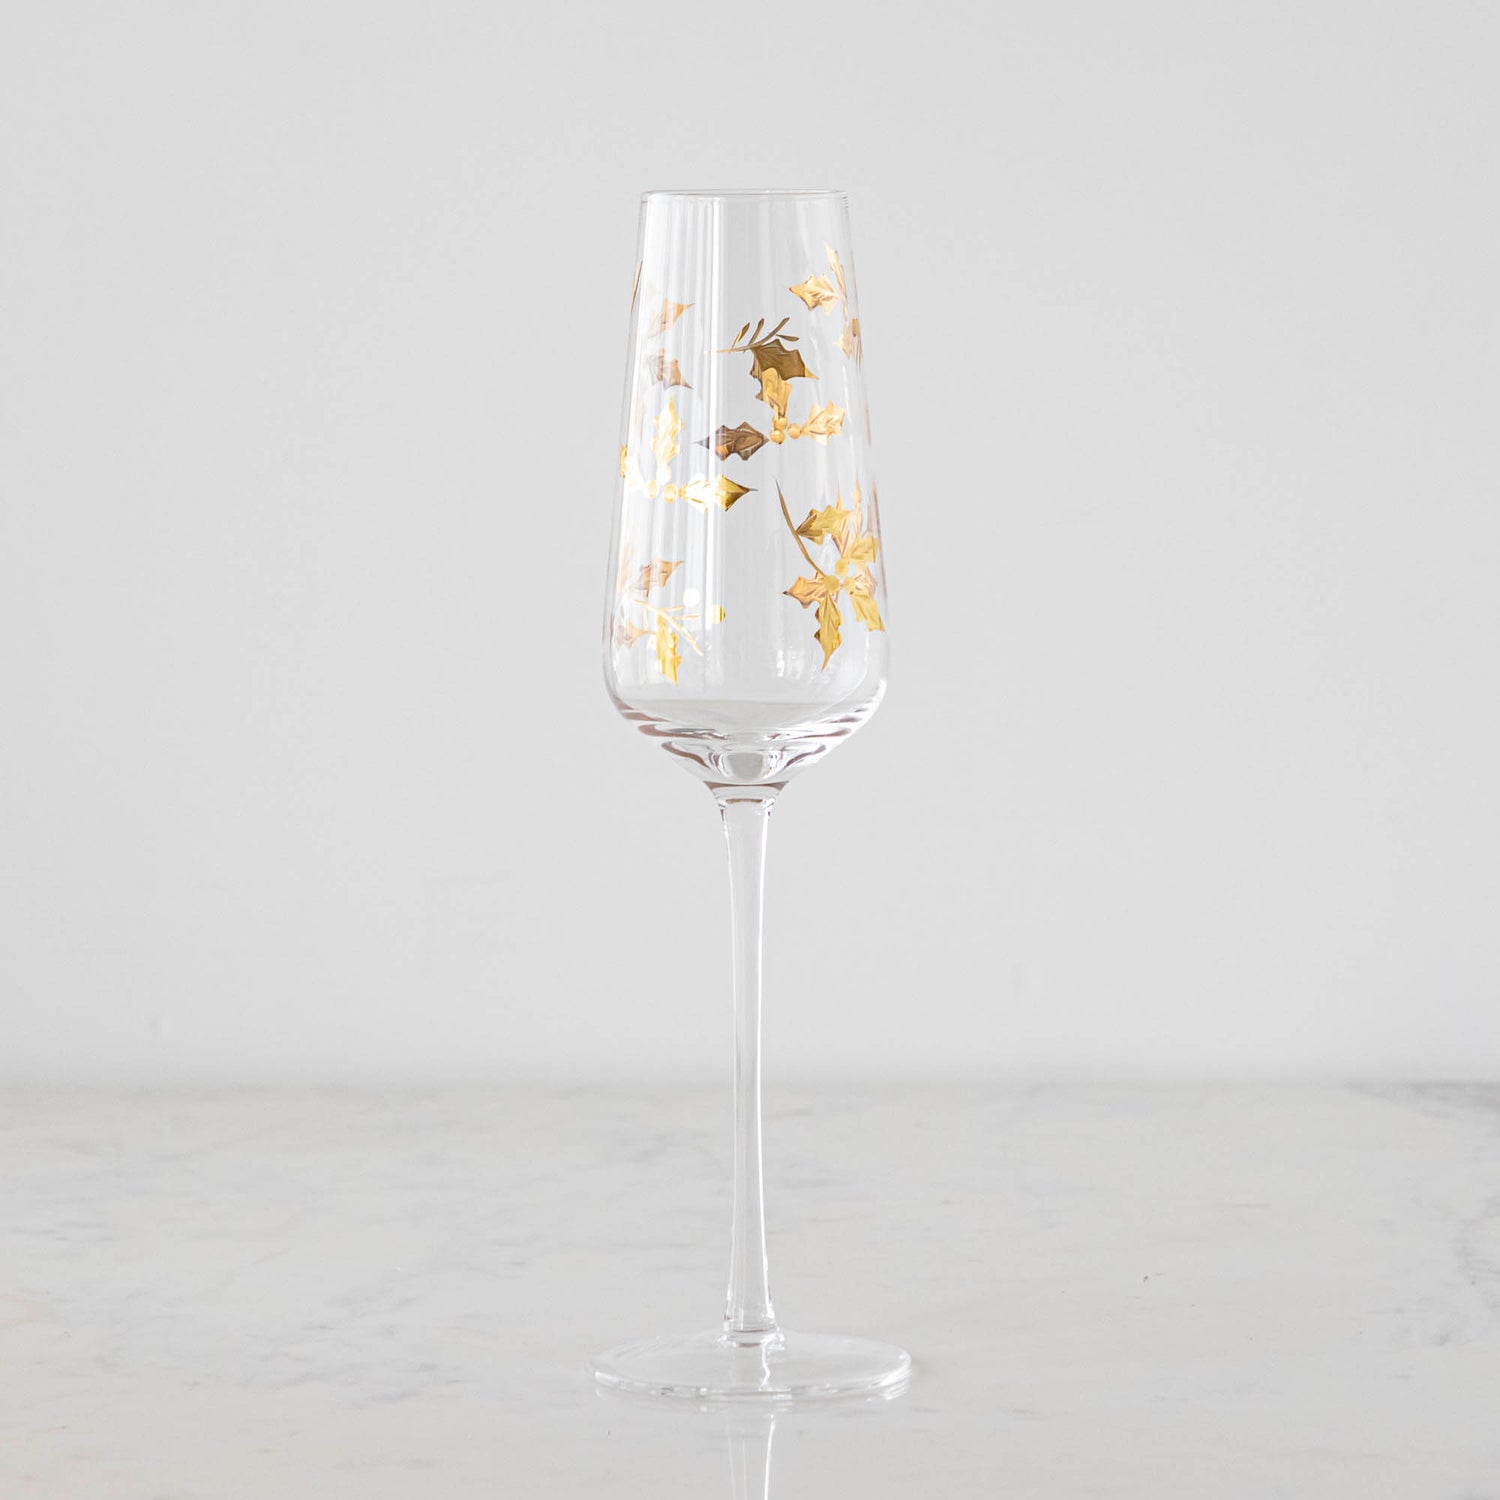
(721, 491)
(768, 351)
(652, 576)
(775, 392)
(829, 621)
(637, 616)
(816, 292)
(846, 578)
(667, 371)
(822, 423)
(787, 363)
(669, 314)
(850, 577)
(860, 588)
(837, 267)
(668, 425)
(822, 524)
(743, 441)
(775, 364)
(668, 657)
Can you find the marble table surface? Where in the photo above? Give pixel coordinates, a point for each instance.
(1270, 1290)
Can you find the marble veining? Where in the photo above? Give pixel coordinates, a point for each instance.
(1256, 1290)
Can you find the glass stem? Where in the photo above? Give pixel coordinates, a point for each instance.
(747, 812)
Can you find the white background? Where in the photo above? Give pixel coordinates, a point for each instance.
(1182, 329)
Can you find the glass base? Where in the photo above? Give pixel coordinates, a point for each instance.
(780, 1366)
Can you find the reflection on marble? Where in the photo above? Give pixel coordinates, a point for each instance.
(1113, 1292)
(749, 1430)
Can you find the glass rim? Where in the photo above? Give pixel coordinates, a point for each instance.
(743, 193)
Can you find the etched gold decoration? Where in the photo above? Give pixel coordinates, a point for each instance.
(703, 490)
(722, 491)
(637, 617)
(850, 577)
(669, 314)
(641, 613)
(822, 423)
(743, 441)
(775, 366)
(818, 291)
(775, 392)
(664, 639)
(775, 363)
(768, 351)
(667, 371)
(664, 443)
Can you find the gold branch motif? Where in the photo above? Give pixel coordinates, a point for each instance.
(637, 617)
(850, 577)
(775, 365)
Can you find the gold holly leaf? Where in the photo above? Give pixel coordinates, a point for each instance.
(627, 632)
(809, 590)
(664, 444)
(774, 355)
(743, 440)
(729, 491)
(829, 620)
(722, 491)
(850, 575)
(824, 422)
(668, 657)
(669, 314)
(860, 588)
(850, 341)
(816, 291)
(667, 372)
(774, 391)
(822, 524)
(652, 576)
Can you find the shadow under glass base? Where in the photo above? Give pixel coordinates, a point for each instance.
(780, 1366)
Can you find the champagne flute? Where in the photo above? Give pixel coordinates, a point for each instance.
(745, 631)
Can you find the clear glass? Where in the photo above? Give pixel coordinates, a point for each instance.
(745, 630)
